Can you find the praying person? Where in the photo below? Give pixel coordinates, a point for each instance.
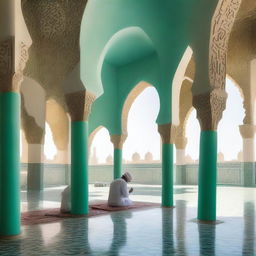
(119, 193)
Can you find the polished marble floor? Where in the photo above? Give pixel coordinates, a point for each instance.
(142, 232)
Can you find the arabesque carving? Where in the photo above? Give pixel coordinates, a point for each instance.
(79, 105)
(55, 30)
(10, 79)
(222, 23)
(210, 107)
(6, 63)
(118, 140)
(168, 133)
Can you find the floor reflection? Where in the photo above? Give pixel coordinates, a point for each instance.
(181, 225)
(167, 232)
(158, 231)
(119, 232)
(249, 228)
(207, 234)
(34, 200)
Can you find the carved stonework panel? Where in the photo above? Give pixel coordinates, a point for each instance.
(222, 23)
(9, 79)
(22, 61)
(210, 107)
(53, 18)
(79, 105)
(6, 63)
(54, 26)
(168, 133)
(118, 140)
(247, 131)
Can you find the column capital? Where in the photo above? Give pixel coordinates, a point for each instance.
(10, 79)
(79, 105)
(181, 142)
(247, 131)
(118, 140)
(168, 133)
(210, 107)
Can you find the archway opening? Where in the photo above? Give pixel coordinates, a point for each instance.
(143, 136)
(50, 149)
(229, 138)
(193, 136)
(101, 148)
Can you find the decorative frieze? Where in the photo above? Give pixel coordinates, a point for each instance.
(222, 24)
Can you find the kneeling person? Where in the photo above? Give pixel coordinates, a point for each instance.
(118, 192)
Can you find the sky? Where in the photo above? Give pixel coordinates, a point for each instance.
(143, 136)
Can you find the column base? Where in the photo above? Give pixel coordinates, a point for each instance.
(209, 222)
(14, 237)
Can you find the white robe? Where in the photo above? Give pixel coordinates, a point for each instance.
(65, 200)
(118, 193)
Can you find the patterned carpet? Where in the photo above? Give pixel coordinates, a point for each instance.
(54, 215)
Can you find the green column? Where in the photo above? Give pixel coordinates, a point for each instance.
(79, 167)
(9, 164)
(117, 163)
(207, 183)
(167, 175)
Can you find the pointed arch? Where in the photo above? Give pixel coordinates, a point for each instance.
(178, 79)
(134, 93)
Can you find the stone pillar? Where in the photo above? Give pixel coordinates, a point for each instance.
(209, 108)
(79, 106)
(118, 141)
(247, 132)
(167, 132)
(180, 144)
(10, 80)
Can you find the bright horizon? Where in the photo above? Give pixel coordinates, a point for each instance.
(143, 136)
